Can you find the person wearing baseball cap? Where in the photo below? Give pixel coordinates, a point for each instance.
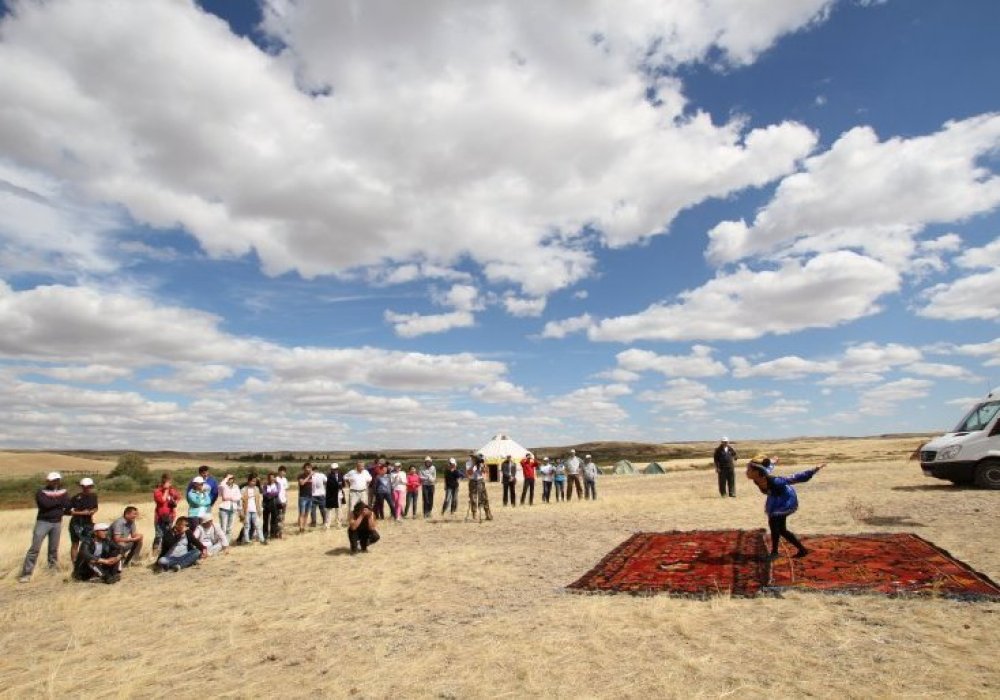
(451, 478)
(53, 502)
(428, 480)
(81, 511)
(590, 474)
(199, 499)
(725, 458)
(548, 473)
(100, 558)
(574, 465)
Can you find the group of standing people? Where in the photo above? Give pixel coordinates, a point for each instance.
(561, 477)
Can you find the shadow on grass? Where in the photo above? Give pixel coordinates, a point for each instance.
(338, 551)
(935, 487)
(891, 520)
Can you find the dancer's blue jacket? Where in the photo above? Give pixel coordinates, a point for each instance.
(781, 497)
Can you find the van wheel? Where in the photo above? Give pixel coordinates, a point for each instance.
(988, 475)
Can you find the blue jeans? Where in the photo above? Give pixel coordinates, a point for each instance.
(590, 489)
(226, 519)
(183, 561)
(411, 500)
(252, 522)
(320, 505)
(305, 505)
(428, 494)
(450, 499)
(43, 529)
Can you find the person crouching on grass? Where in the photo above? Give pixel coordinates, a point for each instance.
(361, 530)
(99, 558)
(781, 501)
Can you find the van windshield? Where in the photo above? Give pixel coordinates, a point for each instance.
(979, 417)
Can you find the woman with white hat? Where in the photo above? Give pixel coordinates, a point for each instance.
(199, 500)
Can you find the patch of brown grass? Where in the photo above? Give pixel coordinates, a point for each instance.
(445, 608)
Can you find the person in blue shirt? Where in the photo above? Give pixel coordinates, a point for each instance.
(781, 501)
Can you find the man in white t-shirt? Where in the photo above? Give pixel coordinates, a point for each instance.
(319, 499)
(357, 485)
(573, 467)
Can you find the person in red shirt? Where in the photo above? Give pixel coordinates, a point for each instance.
(412, 489)
(528, 466)
(166, 497)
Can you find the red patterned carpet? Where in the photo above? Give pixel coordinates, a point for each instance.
(703, 563)
(893, 564)
(696, 563)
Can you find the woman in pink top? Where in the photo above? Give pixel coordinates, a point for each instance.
(412, 489)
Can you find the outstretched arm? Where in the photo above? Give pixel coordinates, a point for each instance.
(806, 475)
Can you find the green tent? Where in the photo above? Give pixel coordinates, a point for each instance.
(653, 468)
(623, 467)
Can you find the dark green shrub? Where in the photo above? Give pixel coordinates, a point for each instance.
(133, 465)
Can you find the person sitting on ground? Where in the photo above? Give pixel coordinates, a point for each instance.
(781, 501)
(361, 528)
(99, 558)
(413, 484)
(199, 500)
(451, 478)
(166, 497)
(211, 536)
(81, 510)
(590, 474)
(126, 535)
(180, 548)
(53, 503)
(334, 491)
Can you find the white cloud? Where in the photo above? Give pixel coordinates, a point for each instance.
(828, 290)
(592, 404)
(699, 363)
(524, 306)
(502, 392)
(989, 350)
(560, 329)
(190, 378)
(872, 195)
(783, 407)
(788, 367)
(974, 296)
(84, 374)
(882, 400)
(445, 131)
(939, 370)
(986, 256)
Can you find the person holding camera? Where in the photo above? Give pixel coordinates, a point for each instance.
(478, 498)
(165, 496)
(361, 528)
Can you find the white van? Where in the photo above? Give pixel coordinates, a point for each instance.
(971, 452)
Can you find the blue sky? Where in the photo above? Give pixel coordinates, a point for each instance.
(272, 225)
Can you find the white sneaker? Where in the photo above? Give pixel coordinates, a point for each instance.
(24, 579)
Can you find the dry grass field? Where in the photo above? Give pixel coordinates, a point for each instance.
(29, 463)
(448, 609)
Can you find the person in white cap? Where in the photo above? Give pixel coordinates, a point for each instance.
(573, 468)
(724, 458)
(428, 479)
(451, 478)
(590, 473)
(357, 485)
(211, 535)
(53, 503)
(100, 558)
(81, 516)
(199, 500)
(548, 473)
(334, 491)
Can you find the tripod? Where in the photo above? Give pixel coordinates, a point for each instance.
(479, 488)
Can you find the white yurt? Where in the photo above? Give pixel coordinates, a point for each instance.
(497, 449)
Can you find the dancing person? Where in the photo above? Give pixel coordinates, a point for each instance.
(781, 501)
(412, 491)
(357, 486)
(252, 510)
(573, 468)
(428, 479)
(279, 517)
(81, 511)
(398, 479)
(211, 536)
(230, 503)
(199, 499)
(52, 501)
(547, 471)
(724, 458)
(590, 474)
(180, 549)
(305, 495)
(559, 480)
(361, 528)
(125, 533)
(270, 494)
(451, 478)
(508, 479)
(319, 499)
(99, 558)
(166, 497)
(334, 491)
(528, 466)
